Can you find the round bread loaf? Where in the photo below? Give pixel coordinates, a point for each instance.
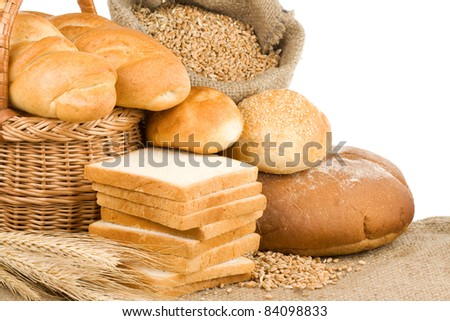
(335, 208)
(283, 132)
(207, 122)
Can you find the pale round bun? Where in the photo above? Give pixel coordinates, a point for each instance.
(290, 123)
(208, 118)
(336, 209)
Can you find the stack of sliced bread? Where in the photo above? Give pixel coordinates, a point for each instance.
(196, 215)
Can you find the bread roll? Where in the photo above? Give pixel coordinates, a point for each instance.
(29, 27)
(208, 118)
(283, 132)
(23, 54)
(38, 13)
(336, 209)
(72, 25)
(150, 76)
(48, 77)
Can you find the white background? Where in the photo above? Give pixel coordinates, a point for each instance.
(380, 71)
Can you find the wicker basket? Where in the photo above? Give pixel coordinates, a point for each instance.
(42, 160)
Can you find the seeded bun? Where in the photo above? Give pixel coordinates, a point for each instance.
(337, 209)
(290, 123)
(210, 117)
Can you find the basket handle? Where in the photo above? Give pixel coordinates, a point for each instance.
(8, 12)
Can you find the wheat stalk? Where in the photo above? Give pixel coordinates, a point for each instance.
(75, 266)
(17, 286)
(70, 246)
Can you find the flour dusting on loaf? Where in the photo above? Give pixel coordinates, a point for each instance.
(337, 209)
(349, 173)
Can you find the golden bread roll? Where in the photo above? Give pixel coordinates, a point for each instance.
(335, 208)
(207, 122)
(78, 92)
(49, 77)
(72, 25)
(38, 13)
(24, 53)
(283, 132)
(150, 76)
(30, 27)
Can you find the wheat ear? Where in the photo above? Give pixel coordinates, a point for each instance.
(75, 266)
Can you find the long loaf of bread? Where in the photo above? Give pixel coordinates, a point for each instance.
(49, 77)
(150, 76)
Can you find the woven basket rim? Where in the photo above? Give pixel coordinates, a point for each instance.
(21, 128)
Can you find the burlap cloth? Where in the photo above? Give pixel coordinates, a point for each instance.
(415, 267)
(273, 27)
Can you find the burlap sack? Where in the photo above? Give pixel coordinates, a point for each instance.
(415, 267)
(273, 26)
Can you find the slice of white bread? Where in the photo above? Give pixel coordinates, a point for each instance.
(182, 208)
(186, 222)
(202, 233)
(172, 174)
(217, 255)
(165, 243)
(202, 285)
(160, 280)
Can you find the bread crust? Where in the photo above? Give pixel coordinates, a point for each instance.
(335, 210)
(207, 117)
(295, 129)
(150, 76)
(49, 77)
(77, 92)
(31, 27)
(72, 25)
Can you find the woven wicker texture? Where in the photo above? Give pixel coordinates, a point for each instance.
(42, 160)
